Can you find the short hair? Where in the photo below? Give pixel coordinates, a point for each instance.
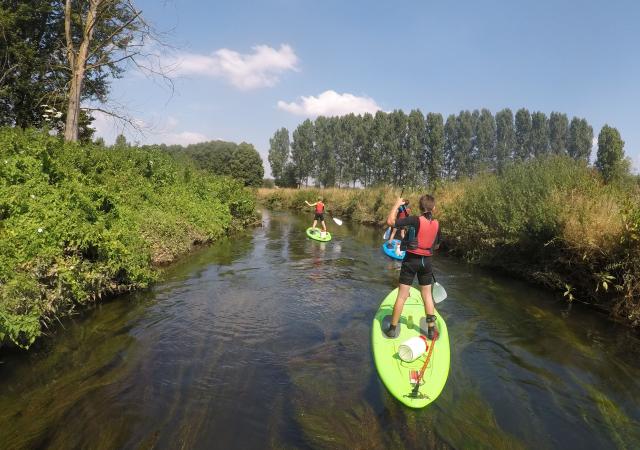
(427, 203)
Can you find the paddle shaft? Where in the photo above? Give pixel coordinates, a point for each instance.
(424, 366)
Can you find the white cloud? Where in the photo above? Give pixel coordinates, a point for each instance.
(330, 103)
(262, 68)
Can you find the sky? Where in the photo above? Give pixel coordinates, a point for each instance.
(242, 69)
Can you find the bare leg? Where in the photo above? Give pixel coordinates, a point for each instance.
(427, 299)
(392, 234)
(324, 226)
(314, 223)
(403, 295)
(428, 309)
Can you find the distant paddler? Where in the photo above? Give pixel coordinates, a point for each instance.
(319, 215)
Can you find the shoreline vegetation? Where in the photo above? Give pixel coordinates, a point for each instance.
(550, 220)
(79, 222)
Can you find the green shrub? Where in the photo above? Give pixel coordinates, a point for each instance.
(79, 222)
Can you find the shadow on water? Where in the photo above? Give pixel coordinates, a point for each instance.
(263, 340)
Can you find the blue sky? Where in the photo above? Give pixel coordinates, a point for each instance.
(242, 69)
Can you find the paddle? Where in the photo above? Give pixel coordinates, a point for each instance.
(437, 291)
(414, 391)
(336, 220)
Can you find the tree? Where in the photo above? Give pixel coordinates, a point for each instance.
(365, 157)
(100, 36)
(463, 154)
(523, 135)
(485, 140)
(580, 139)
(325, 151)
(413, 149)
(278, 153)
(433, 152)
(505, 137)
(302, 153)
(246, 164)
(539, 134)
(28, 80)
(450, 133)
(611, 161)
(121, 141)
(558, 129)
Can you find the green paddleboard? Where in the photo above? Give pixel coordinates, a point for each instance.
(394, 372)
(314, 233)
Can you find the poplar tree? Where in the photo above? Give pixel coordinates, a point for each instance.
(523, 135)
(611, 161)
(539, 134)
(450, 133)
(580, 139)
(433, 152)
(463, 154)
(278, 153)
(302, 153)
(505, 137)
(485, 140)
(558, 130)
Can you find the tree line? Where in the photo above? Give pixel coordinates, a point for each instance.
(413, 149)
(241, 161)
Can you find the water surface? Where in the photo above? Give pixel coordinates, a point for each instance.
(262, 341)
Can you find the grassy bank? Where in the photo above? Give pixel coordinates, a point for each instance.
(81, 222)
(550, 221)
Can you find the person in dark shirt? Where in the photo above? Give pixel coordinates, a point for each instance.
(403, 212)
(423, 237)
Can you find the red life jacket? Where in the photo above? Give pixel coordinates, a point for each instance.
(427, 234)
(319, 208)
(403, 212)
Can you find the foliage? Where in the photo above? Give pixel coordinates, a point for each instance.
(80, 222)
(610, 161)
(414, 149)
(241, 161)
(278, 153)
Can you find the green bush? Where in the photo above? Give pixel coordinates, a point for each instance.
(79, 222)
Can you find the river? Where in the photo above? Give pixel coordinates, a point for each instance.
(262, 340)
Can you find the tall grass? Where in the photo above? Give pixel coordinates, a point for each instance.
(552, 221)
(81, 222)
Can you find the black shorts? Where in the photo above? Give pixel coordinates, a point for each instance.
(319, 216)
(413, 265)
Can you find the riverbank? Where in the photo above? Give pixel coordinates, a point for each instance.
(80, 222)
(550, 221)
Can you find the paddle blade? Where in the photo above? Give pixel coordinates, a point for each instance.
(337, 221)
(437, 292)
(386, 234)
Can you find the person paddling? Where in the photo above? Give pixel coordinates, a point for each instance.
(319, 214)
(422, 239)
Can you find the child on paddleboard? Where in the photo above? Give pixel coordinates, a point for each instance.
(319, 214)
(423, 238)
(402, 213)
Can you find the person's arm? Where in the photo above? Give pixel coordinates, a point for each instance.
(311, 204)
(391, 218)
(436, 244)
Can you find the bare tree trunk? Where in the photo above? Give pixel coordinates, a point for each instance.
(77, 64)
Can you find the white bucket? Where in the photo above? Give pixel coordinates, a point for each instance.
(323, 234)
(411, 349)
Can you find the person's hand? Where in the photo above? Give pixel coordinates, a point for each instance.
(399, 202)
